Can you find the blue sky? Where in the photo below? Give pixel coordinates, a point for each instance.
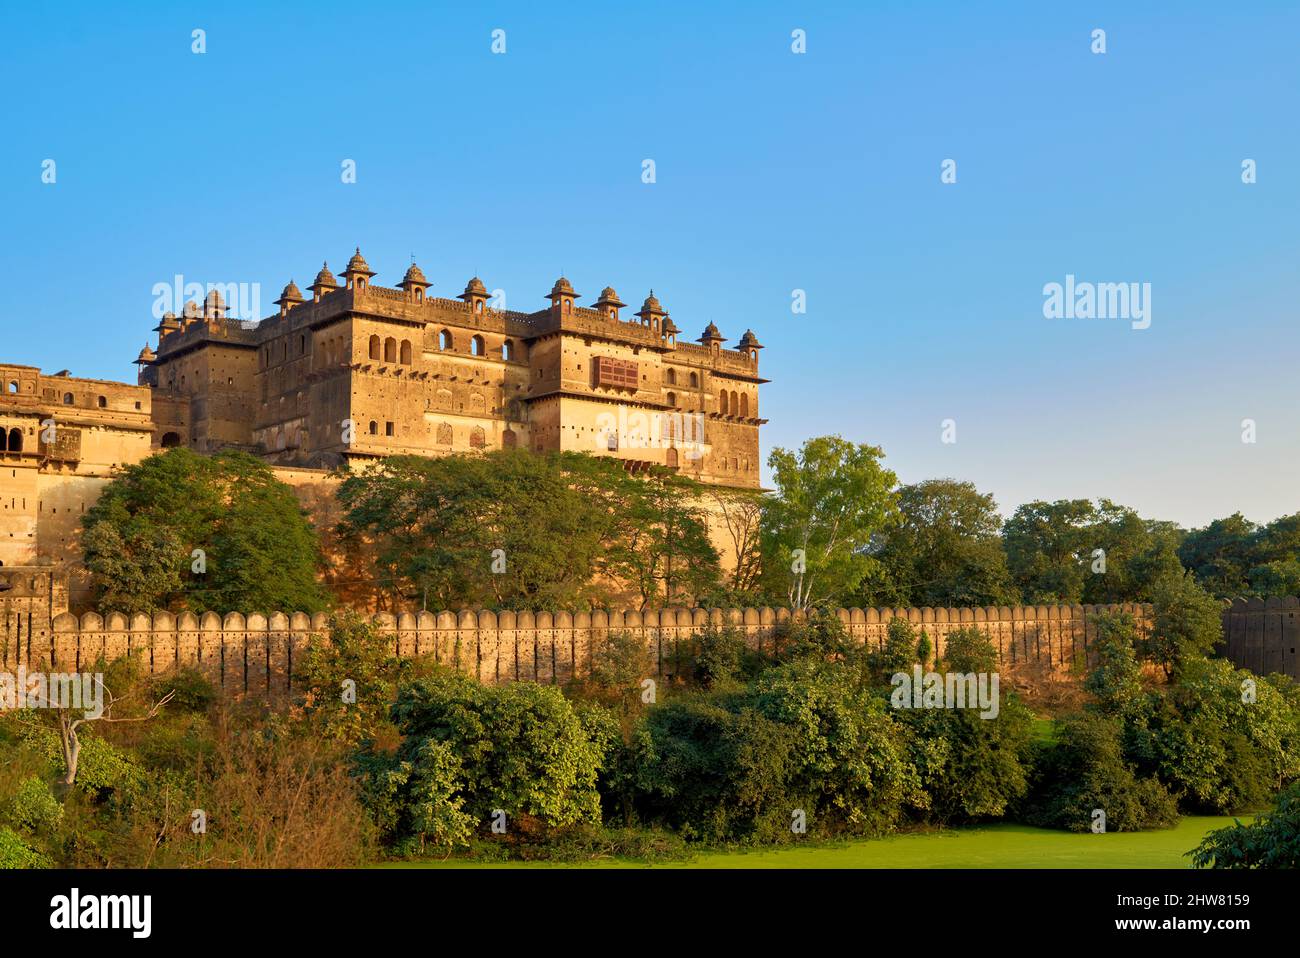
(775, 172)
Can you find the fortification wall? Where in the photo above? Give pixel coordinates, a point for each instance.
(258, 654)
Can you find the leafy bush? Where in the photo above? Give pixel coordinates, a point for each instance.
(1219, 753)
(33, 807)
(359, 658)
(468, 750)
(16, 853)
(1271, 841)
(970, 767)
(1085, 770)
(848, 758)
(715, 774)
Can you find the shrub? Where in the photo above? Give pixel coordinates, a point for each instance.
(348, 677)
(16, 853)
(899, 651)
(1085, 770)
(1116, 681)
(720, 656)
(970, 767)
(969, 650)
(468, 750)
(33, 808)
(715, 774)
(848, 757)
(1219, 753)
(1271, 841)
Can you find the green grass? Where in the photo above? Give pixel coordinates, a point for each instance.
(991, 846)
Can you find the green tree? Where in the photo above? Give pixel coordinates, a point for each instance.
(1046, 543)
(183, 531)
(945, 550)
(831, 498)
(1187, 623)
(1222, 554)
(510, 529)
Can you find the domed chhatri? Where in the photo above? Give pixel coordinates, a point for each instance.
(358, 264)
(670, 328)
(562, 286)
(711, 335)
(609, 297)
(749, 340)
(290, 294)
(146, 356)
(414, 275)
(474, 287)
(325, 278)
(651, 304)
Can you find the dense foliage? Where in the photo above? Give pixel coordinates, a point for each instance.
(183, 531)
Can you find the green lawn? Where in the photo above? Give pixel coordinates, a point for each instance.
(991, 846)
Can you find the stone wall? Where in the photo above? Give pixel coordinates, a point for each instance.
(257, 654)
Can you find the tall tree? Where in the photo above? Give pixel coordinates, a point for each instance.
(183, 531)
(945, 550)
(831, 498)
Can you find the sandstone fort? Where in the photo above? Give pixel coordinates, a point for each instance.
(353, 372)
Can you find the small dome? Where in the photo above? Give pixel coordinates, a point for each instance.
(651, 304)
(146, 355)
(291, 293)
(749, 340)
(358, 264)
(415, 275)
(562, 285)
(473, 288)
(213, 298)
(670, 326)
(711, 334)
(325, 277)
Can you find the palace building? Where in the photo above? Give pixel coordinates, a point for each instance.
(353, 371)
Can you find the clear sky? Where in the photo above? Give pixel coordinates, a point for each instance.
(775, 171)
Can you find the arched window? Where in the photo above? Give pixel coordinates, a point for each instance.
(508, 351)
(744, 405)
(170, 440)
(13, 386)
(695, 381)
(509, 440)
(722, 402)
(15, 440)
(735, 403)
(390, 350)
(671, 377)
(374, 428)
(405, 357)
(103, 402)
(67, 399)
(374, 348)
(444, 340)
(476, 346)
(477, 438)
(670, 459)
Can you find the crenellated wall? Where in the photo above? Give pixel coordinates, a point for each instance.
(258, 653)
